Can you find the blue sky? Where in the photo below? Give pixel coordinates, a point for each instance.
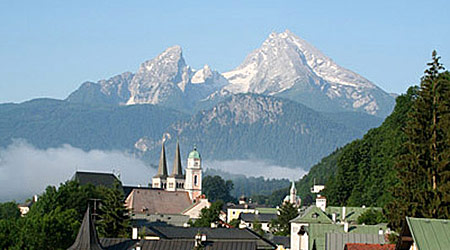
(48, 48)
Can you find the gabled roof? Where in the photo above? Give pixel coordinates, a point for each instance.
(87, 235)
(118, 243)
(351, 213)
(213, 234)
(95, 178)
(337, 241)
(362, 246)
(312, 214)
(157, 201)
(178, 244)
(427, 233)
(250, 217)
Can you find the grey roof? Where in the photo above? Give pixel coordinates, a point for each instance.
(141, 220)
(221, 234)
(87, 235)
(337, 241)
(260, 217)
(285, 241)
(118, 243)
(162, 167)
(178, 244)
(177, 170)
(96, 178)
(183, 244)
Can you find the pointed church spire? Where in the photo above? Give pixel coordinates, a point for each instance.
(87, 238)
(177, 169)
(162, 167)
(293, 189)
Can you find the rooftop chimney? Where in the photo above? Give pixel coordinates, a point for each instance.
(346, 227)
(333, 216)
(134, 233)
(343, 213)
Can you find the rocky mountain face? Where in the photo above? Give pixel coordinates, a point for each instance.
(165, 80)
(288, 66)
(285, 66)
(276, 130)
(112, 91)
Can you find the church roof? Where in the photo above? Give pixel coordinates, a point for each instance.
(162, 167)
(87, 238)
(177, 170)
(95, 178)
(194, 154)
(157, 201)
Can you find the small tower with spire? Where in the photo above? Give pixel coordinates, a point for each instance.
(293, 194)
(160, 179)
(176, 180)
(193, 183)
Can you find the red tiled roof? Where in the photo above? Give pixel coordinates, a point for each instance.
(157, 201)
(364, 246)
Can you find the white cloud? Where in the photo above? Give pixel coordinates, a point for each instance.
(26, 170)
(256, 168)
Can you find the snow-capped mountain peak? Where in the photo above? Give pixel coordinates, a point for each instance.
(289, 66)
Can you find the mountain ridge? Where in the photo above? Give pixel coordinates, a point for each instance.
(285, 65)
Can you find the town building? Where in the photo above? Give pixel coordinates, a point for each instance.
(423, 233)
(328, 228)
(170, 238)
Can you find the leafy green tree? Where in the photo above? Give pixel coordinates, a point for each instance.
(8, 233)
(424, 168)
(235, 223)
(114, 219)
(281, 225)
(54, 230)
(209, 215)
(257, 227)
(215, 188)
(9, 210)
(371, 217)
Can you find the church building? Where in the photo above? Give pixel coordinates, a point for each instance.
(190, 182)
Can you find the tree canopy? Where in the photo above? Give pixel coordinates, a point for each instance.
(281, 225)
(423, 168)
(215, 188)
(53, 221)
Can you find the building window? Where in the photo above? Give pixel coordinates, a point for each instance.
(170, 185)
(195, 180)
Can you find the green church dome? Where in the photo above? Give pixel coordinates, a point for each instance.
(194, 154)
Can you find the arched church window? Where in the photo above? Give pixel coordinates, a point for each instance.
(195, 180)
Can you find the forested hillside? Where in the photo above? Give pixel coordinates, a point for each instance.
(361, 172)
(51, 123)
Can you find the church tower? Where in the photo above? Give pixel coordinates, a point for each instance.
(193, 183)
(293, 194)
(176, 180)
(160, 179)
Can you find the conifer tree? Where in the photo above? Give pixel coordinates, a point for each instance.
(423, 168)
(281, 225)
(114, 220)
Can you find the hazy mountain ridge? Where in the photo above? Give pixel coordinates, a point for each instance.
(244, 126)
(277, 130)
